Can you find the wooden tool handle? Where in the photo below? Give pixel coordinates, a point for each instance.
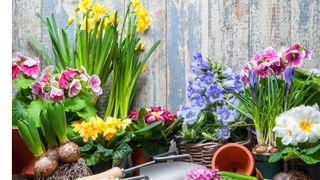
(111, 174)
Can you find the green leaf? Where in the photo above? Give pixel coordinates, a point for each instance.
(308, 159)
(22, 82)
(87, 112)
(74, 104)
(105, 153)
(121, 152)
(275, 157)
(87, 147)
(19, 110)
(312, 150)
(92, 159)
(34, 111)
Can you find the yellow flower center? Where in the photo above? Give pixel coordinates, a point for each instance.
(290, 133)
(305, 125)
(155, 114)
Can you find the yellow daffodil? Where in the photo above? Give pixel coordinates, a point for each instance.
(89, 24)
(141, 12)
(136, 3)
(140, 47)
(98, 11)
(144, 68)
(84, 5)
(112, 19)
(142, 25)
(70, 20)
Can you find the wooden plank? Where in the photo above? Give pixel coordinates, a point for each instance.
(187, 33)
(270, 25)
(152, 89)
(24, 22)
(305, 27)
(228, 32)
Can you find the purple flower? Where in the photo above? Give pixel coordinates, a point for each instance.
(94, 84)
(228, 73)
(288, 77)
(214, 94)
(55, 94)
(198, 64)
(224, 133)
(199, 102)
(75, 88)
(37, 89)
(202, 174)
(278, 66)
(189, 114)
(308, 54)
(233, 84)
(252, 82)
(226, 115)
(234, 100)
(206, 79)
(193, 90)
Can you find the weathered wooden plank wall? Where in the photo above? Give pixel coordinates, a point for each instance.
(227, 30)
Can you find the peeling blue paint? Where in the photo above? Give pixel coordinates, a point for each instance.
(303, 14)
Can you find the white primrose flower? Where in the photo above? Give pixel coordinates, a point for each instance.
(299, 125)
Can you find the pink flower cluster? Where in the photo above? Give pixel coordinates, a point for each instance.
(25, 65)
(71, 81)
(271, 60)
(202, 174)
(155, 114)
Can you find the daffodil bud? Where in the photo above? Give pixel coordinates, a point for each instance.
(70, 20)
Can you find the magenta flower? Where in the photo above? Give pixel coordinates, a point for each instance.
(16, 71)
(278, 66)
(37, 89)
(155, 116)
(294, 55)
(45, 77)
(55, 94)
(158, 114)
(70, 74)
(30, 66)
(202, 174)
(133, 115)
(75, 88)
(270, 55)
(262, 71)
(63, 83)
(94, 84)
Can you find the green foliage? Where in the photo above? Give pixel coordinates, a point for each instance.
(19, 110)
(23, 82)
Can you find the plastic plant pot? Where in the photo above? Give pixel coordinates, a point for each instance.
(268, 170)
(235, 158)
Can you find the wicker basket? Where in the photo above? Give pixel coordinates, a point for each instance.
(202, 153)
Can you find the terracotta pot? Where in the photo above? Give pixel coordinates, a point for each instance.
(22, 159)
(233, 157)
(138, 158)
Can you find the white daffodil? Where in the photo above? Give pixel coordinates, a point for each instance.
(299, 125)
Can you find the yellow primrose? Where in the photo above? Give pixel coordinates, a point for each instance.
(88, 130)
(112, 19)
(125, 123)
(70, 20)
(76, 125)
(84, 5)
(89, 24)
(109, 133)
(136, 3)
(144, 68)
(98, 10)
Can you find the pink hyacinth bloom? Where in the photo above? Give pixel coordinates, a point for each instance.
(94, 84)
(30, 66)
(294, 55)
(37, 89)
(75, 88)
(278, 66)
(55, 94)
(16, 71)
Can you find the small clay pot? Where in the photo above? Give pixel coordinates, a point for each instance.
(233, 157)
(138, 158)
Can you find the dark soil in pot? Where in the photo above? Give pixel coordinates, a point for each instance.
(101, 166)
(311, 170)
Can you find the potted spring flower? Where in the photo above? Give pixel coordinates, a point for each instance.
(40, 109)
(103, 144)
(298, 135)
(154, 128)
(103, 47)
(208, 119)
(270, 89)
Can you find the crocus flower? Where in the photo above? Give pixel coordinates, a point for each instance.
(214, 94)
(224, 133)
(37, 89)
(75, 88)
(30, 66)
(288, 77)
(202, 174)
(198, 64)
(226, 115)
(94, 84)
(16, 71)
(189, 113)
(55, 94)
(294, 55)
(233, 84)
(252, 82)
